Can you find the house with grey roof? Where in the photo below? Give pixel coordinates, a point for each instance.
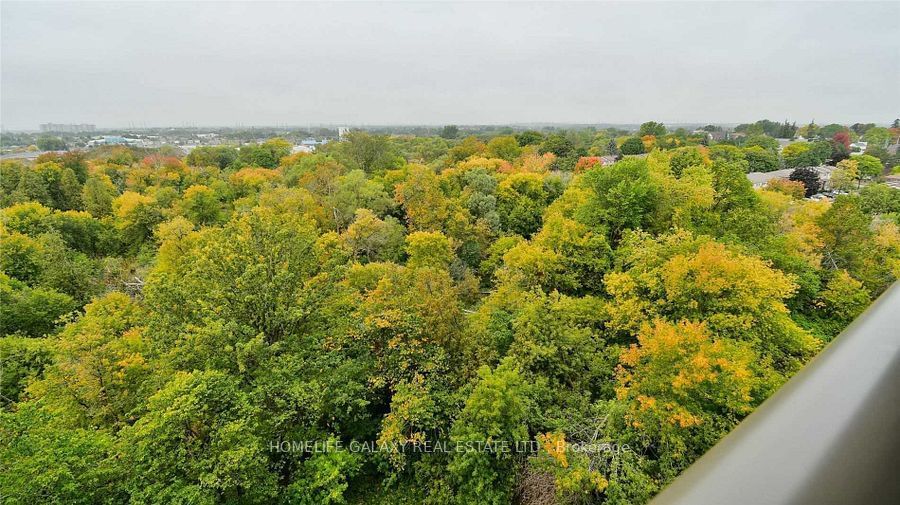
(760, 179)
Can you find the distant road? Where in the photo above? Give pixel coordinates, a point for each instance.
(23, 156)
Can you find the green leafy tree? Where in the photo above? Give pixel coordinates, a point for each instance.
(869, 166)
(354, 191)
(496, 411)
(199, 442)
(21, 257)
(33, 312)
(763, 141)
(558, 144)
(847, 242)
(264, 256)
(632, 145)
(450, 132)
(727, 153)
(428, 249)
(135, 216)
(685, 157)
(828, 131)
(624, 196)
(877, 136)
(367, 152)
(201, 205)
(504, 147)
(22, 360)
(879, 199)
(47, 461)
(844, 298)
(529, 137)
(265, 155)
(845, 176)
(98, 194)
(68, 191)
(805, 154)
(70, 272)
(761, 160)
(422, 200)
(468, 147)
(652, 128)
(521, 200)
(373, 239)
(99, 373)
(325, 477)
(222, 157)
(21, 184)
(49, 143)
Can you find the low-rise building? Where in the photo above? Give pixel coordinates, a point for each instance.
(760, 179)
(303, 149)
(108, 140)
(892, 181)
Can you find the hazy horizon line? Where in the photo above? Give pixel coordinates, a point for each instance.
(432, 125)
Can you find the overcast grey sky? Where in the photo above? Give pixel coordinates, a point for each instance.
(436, 63)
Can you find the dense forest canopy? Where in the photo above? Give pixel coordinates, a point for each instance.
(536, 315)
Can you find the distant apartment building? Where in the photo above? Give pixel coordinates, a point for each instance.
(67, 128)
